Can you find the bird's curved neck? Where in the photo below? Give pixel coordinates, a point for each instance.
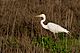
(44, 26)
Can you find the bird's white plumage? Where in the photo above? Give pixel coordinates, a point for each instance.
(55, 28)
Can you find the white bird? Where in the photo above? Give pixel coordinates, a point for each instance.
(55, 28)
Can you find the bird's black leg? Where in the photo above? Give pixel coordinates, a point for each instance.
(55, 36)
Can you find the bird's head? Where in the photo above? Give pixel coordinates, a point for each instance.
(41, 15)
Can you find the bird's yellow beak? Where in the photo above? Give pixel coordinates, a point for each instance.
(38, 16)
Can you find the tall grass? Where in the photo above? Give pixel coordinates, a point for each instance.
(18, 26)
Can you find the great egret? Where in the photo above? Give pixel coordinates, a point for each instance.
(55, 28)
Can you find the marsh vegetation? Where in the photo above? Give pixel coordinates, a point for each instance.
(21, 32)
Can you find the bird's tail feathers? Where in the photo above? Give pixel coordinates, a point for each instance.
(67, 31)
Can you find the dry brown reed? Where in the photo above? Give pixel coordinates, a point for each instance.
(18, 26)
